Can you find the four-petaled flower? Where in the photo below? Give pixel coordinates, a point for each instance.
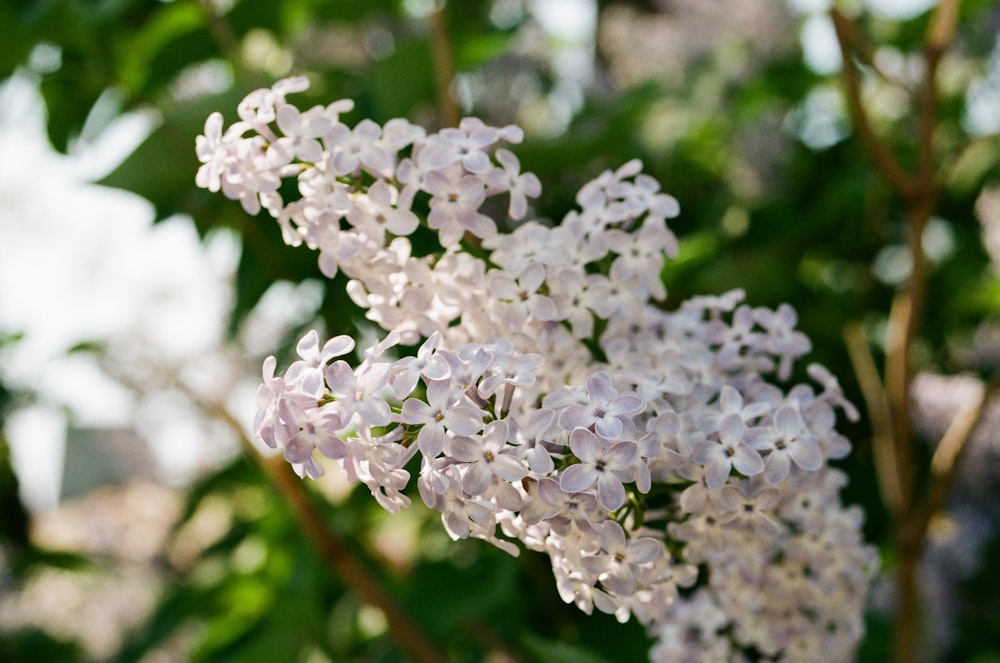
(605, 409)
(599, 460)
(729, 452)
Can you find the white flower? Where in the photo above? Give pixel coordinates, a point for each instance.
(374, 213)
(487, 456)
(301, 131)
(427, 364)
(728, 453)
(605, 409)
(786, 441)
(520, 186)
(598, 463)
(617, 565)
(351, 149)
(357, 391)
(452, 145)
(523, 301)
(455, 207)
(443, 411)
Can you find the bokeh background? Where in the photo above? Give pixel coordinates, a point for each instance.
(137, 521)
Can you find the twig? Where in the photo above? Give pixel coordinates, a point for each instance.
(335, 551)
(444, 69)
(887, 164)
(950, 450)
(339, 556)
(941, 31)
(899, 337)
(877, 405)
(229, 45)
(866, 53)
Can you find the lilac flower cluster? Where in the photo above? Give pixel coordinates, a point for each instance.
(649, 453)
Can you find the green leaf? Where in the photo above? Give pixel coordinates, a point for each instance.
(16, 39)
(543, 650)
(404, 81)
(479, 49)
(445, 585)
(33, 644)
(155, 53)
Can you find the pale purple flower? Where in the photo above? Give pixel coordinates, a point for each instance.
(399, 133)
(248, 175)
(427, 364)
(598, 463)
(268, 396)
(378, 462)
(488, 456)
(605, 409)
(351, 149)
(302, 430)
(357, 391)
(731, 403)
(529, 243)
(375, 214)
(616, 566)
(452, 145)
(751, 503)
(514, 371)
(575, 301)
(462, 515)
(494, 423)
(307, 374)
(443, 411)
(728, 453)
(785, 441)
(545, 500)
(783, 340)
(523, 301)
(640, 255)
(535, 433)
(575, 512)
(455, 207)
(644, 195)
(735, 339)
(832, 391)
(301, 131)
(520, 186)
(216, 151)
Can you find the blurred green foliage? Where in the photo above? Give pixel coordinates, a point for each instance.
(767, 206)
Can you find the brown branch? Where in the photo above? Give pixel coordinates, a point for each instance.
(339, 556)
(335, 551)
(912, 537)
(904, 323)
(944, 23)
(865, 51)
(887, 164)
(877, 405)
(899, 338)
(949, 453)
(444, 69)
